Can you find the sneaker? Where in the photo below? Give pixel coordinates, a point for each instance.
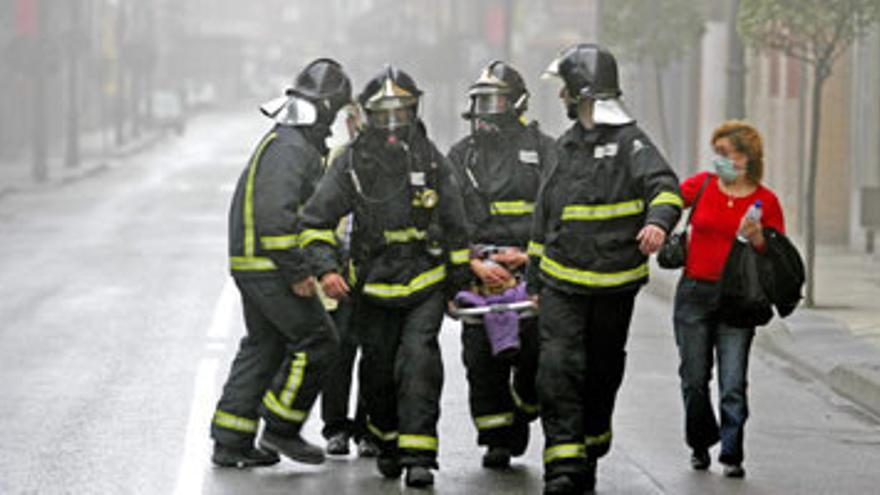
(242, 458)
(295, 448)
(367, 448)
(734, 471)
(389, 466)
(562, 484)
(700, 460)
(338, 444)
(419, 477)
(496, 458)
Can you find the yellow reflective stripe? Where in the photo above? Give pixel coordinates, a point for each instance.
(295, 378)
(352, 274)
(251, 264)
(521, 404)
(564, 451)
(233, 422)
(512, 208)
(279, 241)
(419, 442)
(385, 436)
(603, 212)
(422, 281)
(536, 249)
(598, 439)
(308, 236)
(493, 421)
(460, 256)
(248, 213)
(273, 404)
(405, 235)
(668, 198)
(595, 279)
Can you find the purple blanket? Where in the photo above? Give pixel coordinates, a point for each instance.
(502, 328)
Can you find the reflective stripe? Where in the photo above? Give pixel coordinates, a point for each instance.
(668, 198)
(594, 279)
(494, 421)
(598, 439)
(460, 257)
(603, 212)
(308, 236)
(536, 249)
(248, 213)
(565, 451)
(382, 435)
(233, 422)
(521, 404)
(273, 404)
(405, 235)
(251, 264)
(422, 281)
(279, 241)
(352, 274)
(512, 208)
(419, 442)
(295, 378)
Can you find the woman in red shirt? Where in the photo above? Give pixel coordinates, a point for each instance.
(718, 219)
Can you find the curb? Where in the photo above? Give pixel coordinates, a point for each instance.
(857, 381)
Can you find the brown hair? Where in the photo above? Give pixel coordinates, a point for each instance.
(746, 140)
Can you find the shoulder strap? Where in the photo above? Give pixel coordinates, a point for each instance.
(697, 199)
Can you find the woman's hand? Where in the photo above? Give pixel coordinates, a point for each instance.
(334, 285)
(753, 231)
(512, 258)
(489, 272)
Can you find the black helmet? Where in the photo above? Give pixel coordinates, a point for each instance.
(588, 70)
(324, 83)
(499, 89)
(390, 99)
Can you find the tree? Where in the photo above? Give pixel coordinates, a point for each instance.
(816, 32)
(653, 32)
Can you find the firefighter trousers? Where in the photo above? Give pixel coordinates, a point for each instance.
(336, 392)
(581, 366)
(502, 394)
(277, 371)
(402, 375)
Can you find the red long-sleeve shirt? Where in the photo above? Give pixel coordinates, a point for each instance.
(716, 220)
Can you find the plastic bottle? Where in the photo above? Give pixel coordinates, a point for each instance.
(753, 214)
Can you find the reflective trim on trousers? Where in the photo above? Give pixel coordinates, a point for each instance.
(273, 404)
(491, 421)
(233, 422)
(565, 451)
(418, 442)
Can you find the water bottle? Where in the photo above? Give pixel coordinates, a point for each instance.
(753, 214)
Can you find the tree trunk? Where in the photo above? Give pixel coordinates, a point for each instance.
(819, 75)
(661, 107)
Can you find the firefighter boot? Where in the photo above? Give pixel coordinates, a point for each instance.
(295, 448)
(244, 457)
(419, 477)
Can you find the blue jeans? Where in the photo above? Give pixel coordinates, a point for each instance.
(700, 337)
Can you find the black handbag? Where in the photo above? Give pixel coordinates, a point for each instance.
(673, 252)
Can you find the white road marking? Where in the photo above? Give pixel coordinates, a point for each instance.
(197, 447)
(224, 312)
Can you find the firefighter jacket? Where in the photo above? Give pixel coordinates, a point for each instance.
(608, 183)
(409, 233)
(280, 177)
(500, 176)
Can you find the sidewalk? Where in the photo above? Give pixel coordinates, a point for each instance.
(838, 341)
(96, 151)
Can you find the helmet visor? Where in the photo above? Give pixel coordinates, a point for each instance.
(490, 104)
(391, 118)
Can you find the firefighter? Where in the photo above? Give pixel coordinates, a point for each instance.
(409, 252)
(499, 166)
(607, 205)
(277, 371)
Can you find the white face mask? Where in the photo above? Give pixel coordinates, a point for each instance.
(725, 169)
